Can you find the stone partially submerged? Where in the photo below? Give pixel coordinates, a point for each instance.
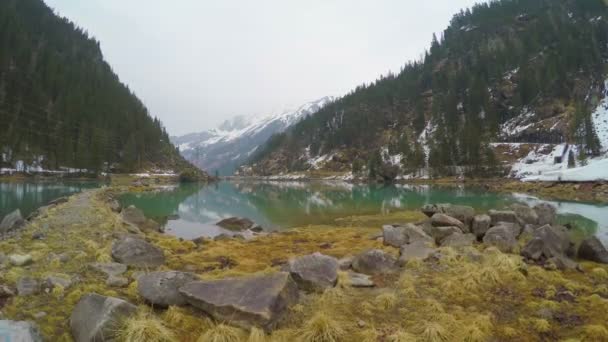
(373, 262)
(19, 331)
(135, 217)
(11, 221)
(98, 318)
(133, 251)
(259, 300)
(315, 272)
(162, 288)
(237, 224)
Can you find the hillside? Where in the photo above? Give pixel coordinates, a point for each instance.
(61, 105)
(506, 81)
(227, 147)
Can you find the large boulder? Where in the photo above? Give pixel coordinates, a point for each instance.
(19, 331)
(162, 288)
(440, 233)
(315, 272)
(594, 250)
(237, 224)
(397, 236)
(480, 225)
(11, 221)
(550, 245)
(97, 318)
(417, 250)
(259, 300)
(525, 214)
(443, 220)
(502, 238)
(497, 216)
(462, 213)
(546, 214)
(133, 251)
(374, 261)
(135, 217)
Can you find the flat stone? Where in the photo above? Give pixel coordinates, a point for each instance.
(109, 268)
(416, 250)
(98, 318)
(19, 331)
(133, 251)
(443, 220)
(458, 240)
(162, 288)
(11, 221)
(594, 250)
(57, 280)
(27, 286)
(502, 238)
(313, 273)
(480, 225)
(259, 300)
(374, 261)
(117, 281)
(360, 280)
(20, 260)
(236, 224)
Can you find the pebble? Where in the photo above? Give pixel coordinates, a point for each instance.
(116, 281)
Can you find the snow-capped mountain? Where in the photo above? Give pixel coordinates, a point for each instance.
(229, 145)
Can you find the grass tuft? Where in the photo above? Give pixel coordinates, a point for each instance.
(597, 333)
(145, 327)
(402, 336)
(221, 333)
(322, 328)
(386, 301)
(257, 335)
(434, 332)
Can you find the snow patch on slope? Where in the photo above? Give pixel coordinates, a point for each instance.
(600, 119)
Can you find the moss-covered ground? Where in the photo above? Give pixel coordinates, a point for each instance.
(474, 294)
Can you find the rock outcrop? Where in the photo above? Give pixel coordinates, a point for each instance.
(315, 272)
(162, 288)
(98, 318)
(259, 300)
(133, 251)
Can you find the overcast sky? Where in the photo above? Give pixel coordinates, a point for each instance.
(195, 63)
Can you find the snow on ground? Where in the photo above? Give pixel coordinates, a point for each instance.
(518, 124)
(318, 161)
(537, 163)
(595, 170)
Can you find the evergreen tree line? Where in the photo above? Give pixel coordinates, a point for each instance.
(491, 64)
(59, 99)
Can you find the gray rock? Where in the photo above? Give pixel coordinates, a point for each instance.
(110, 268)
(136, 252)
(374, 261)
(20, 260)
(259, 300)
(135, 218)
(27, 286)
(497, 216)
(11, 221)
(480, 225)
(440, 233)
(162, 288)
(57, 280)
(59, 200)
(515, 228)
(6, 291)
(345, 263)
(458, 240)
(443, 220)
(393, 236)
(19, 331)
(417, 250)
(462, 213)
(314, 273)
(40, 212)
(237, 224)
(525, 214)
(360, 280)
(550, 245)
(416, 234)
(98, 318)
(502, 238)
(117, 281)
(546, 214)
(594, 250)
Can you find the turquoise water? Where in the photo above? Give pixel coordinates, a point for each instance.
(190, 211)
(28, 196)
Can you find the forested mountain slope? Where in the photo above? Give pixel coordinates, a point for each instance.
(62, 106)
(526, 73)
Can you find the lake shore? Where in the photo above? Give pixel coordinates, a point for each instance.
(447, 295)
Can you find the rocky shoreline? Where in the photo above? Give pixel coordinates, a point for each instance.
(85, 269)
